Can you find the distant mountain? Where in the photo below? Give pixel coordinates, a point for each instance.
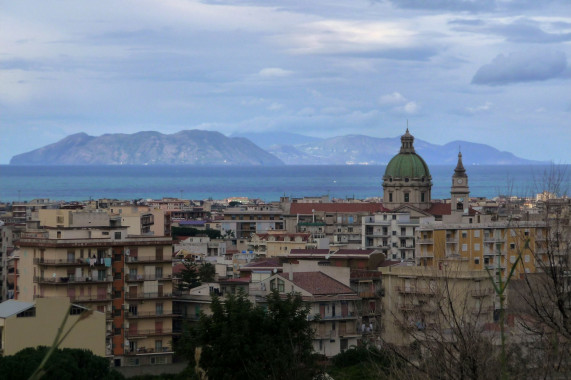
(191, 147)
(266, 139)
(360, 149)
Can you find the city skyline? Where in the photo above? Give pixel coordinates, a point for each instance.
(492, 72)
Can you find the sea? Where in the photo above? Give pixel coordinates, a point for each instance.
(77, 183)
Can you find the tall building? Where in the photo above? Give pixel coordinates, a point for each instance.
(90, 258)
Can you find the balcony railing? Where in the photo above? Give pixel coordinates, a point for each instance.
(415, 290)
(152, 314)
(68, 262)
(141, 277)
(477, 293)
(147, 259)
(426, 241)
(71, 280)
(143, 296)
(153, 332)
(146, 351)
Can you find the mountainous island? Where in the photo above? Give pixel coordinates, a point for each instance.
(198, 147)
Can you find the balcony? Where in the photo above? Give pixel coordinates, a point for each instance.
(493, 239)
(147, 296)
(415, 290)
(140, 278)
(85, 299)
(451, 240)
(425, 241)
(480, 293)
(68, 262)
(146, 259)
(141, 334)
(351, 315)
(152, 314)
(147, 351)
(72, 280)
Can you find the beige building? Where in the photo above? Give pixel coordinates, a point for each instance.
(32, 324)
(421, 302)
(90, 258)
(278, 243)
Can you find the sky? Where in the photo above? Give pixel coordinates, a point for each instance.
(485, 71)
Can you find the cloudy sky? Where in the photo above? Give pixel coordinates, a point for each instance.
(495, 72)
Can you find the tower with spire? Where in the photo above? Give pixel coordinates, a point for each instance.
(460, 192)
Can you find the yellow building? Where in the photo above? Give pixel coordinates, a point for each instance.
(278, 243)
(32, 324)
(489, 245)
(90, 258)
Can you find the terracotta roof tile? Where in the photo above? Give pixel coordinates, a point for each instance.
(318, 283)
(307, 208)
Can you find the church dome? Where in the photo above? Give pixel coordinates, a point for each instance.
(407, 164)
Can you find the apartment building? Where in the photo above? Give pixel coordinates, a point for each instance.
(279, 243)
(243, 221)
(334, 303)
(90, 258)
(424, 302)
(492, 245)
(392, 233)
(341, 223)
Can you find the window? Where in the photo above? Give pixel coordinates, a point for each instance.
(159, 308)
(464, 247)
(406, 179)
(117, 331)
(281, 286)
(512, 259)
(403, 231)
(158, 272)
(476, 247)
(390, 197)
(394, 233)
(158, 346)
(422, 196)
(464, 234)
(476, 233)
(512, 245)
(477, 260)
(133, 310)
(118, 235)
(117, 312)
(406, 197)
(105, 233)
(394, 217)
(526, 258)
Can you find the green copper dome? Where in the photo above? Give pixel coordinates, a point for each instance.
(407, 164)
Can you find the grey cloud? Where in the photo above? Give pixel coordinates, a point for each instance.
(522, 67)
(470, 22)
(398, 54)
(520, 31)
(473, 5)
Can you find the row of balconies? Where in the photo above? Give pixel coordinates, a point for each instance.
(68, 262)
(145, 296)
(72, 280)
(152, 314)
(152, 277)
(146, 351)
(132, 334)
(415, 290)
(147, 259)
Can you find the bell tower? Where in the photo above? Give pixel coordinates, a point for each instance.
(460, 192)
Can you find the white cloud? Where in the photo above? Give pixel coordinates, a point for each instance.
(275, 107)
(392, 99)
(481, 108)
(398, 103)
(274, 72)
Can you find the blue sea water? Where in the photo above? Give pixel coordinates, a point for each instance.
(268, 183)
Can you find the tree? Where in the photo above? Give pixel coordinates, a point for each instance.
(189, 276)
(543, 299)
(206, 272)
(243, 341)
(64, 363)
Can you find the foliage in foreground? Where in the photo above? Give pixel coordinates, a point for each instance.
(243, 341)
(364, 362)
(64, 364)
